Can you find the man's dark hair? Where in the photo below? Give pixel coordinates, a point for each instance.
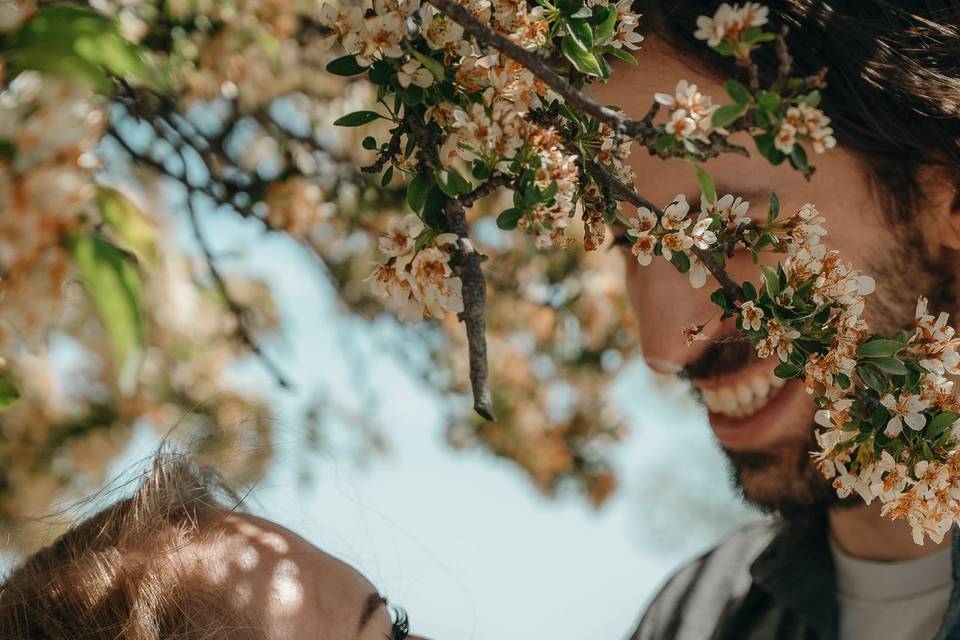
(893, 75)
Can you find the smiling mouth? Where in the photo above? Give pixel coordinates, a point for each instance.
(740, 398)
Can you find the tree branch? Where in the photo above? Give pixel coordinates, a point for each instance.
(468, 268)
(234, 307)
(628, 193)
(535, 62)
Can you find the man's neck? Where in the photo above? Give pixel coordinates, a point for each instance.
(862, 532)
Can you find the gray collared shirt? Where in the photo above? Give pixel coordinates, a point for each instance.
(769, 580)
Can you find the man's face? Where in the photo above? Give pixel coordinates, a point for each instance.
(766, 427)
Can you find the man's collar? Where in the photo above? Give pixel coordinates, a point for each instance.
(796, 568)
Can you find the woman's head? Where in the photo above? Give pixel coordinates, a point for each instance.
(179, 561)
(888, 192)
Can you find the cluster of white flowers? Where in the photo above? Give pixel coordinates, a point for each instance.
(804, 122)
(677, 232)
(691, 113)
(548, 221)
(730, 23)
(46, 190)
(417, 283)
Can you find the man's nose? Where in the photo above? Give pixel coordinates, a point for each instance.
(665, 302)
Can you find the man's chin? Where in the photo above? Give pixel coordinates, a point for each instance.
(782, 479)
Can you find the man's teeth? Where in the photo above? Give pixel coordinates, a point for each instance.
(744, 398)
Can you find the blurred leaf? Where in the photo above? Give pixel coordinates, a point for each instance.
(133, 228)
(9, 393)
(80, 44)
(114, 284)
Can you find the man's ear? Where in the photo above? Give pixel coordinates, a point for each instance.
(940, 189)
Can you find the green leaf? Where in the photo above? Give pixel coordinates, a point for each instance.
(842, 380)
(434, 213)
(707, 187)
(626, 56)
(879, 348)
(508, 219)
(76, 43)
(433, 66)
(681, 261)
(426, 237)
(549, 192)
(665, 141)
(724, 48)
(774, 208)
(890, 365)
(872, 377)
(582, 60)
(940, 422)
(761, 118)
(386, 177)
(604, 30)
(381, 73)
(356, 119)
(137, 232)
(480, 171)
(771, 281)
(581, 31)
(786, 370)
(812, 98)
(411, 96)
(9, 393)
(736, 90)
(749, 291)
(113, 281)
(767, 149)
(345, 66)
(7, 150)
(417, 191)
(727, 114)
(369, 143)
(452, 183)
(798, 158)
(769, 100)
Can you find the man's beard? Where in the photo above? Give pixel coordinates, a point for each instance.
(783, 478)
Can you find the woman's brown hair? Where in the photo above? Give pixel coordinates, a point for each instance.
(130, 570)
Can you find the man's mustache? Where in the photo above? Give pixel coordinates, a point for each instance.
(723, 355)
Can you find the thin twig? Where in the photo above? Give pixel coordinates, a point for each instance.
(234, 307)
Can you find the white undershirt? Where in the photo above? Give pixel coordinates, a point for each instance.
(892, 600)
